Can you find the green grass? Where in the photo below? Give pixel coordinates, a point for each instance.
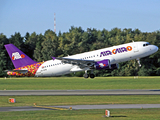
(116, 114)
(63, 83)
(78, 100)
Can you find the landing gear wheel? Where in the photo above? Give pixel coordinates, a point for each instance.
(92, 75)
(85, 75)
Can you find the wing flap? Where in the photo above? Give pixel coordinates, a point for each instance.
(81, 63)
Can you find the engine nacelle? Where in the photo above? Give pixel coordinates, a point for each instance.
(105, 64)
(114, 66)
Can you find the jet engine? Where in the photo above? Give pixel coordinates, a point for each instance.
(114, 66)
(105, 64)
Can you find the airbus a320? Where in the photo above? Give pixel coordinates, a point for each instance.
(106, 58)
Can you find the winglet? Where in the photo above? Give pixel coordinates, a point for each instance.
(53, 58)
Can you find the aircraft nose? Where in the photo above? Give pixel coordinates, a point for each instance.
(156, 48)
(153, 49)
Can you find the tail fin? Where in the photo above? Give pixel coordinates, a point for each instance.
(19, 59)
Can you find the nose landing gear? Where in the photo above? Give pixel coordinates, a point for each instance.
(138, 60)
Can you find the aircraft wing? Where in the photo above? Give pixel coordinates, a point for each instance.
(19, 71)
(79, 62)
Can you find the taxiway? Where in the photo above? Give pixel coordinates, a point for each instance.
(78, 107)
(80, 92)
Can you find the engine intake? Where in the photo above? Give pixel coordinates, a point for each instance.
(114, 66)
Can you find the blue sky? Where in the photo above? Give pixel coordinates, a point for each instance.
(38, 15)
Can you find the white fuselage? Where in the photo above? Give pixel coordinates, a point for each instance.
(57, 67)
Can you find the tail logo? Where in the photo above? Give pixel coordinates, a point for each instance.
(16, 56)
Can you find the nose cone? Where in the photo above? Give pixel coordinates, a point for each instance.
(155, 48)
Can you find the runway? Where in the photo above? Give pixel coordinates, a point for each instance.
(80, 92)
(78, 107)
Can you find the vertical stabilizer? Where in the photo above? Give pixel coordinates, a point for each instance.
(19, 59)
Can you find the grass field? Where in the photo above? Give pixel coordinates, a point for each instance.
(63, 83)
(79, 100)
(116, 114)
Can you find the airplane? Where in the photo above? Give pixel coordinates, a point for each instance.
(106, 58)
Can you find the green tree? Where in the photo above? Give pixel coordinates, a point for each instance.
(50, 45)
(17, 40)
(30, 44)
(38, 48)
(3, 55)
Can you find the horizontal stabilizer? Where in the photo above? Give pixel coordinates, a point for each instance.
(19, 71)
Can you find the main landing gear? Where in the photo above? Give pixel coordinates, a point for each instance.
(88, 75)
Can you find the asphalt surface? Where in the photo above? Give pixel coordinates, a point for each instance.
(78, 107)
(80, 92)
(112, 106)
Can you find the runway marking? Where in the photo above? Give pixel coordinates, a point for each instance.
(54, 108)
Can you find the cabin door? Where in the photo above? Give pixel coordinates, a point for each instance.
(135, 47)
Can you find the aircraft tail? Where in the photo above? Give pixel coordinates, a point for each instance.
(19, 59)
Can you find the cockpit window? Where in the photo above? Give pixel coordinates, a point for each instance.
(146, 44)
(149, 44)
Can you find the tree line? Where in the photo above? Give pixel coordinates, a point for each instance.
(41, 47)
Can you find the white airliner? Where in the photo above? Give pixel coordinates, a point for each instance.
(107, 58)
